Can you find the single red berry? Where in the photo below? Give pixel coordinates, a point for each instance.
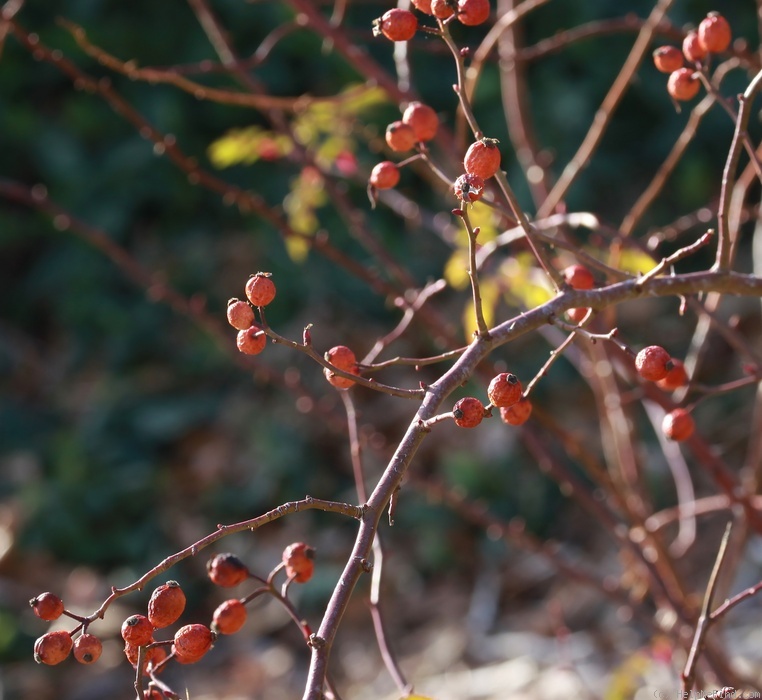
(678, 425)
(504, 390)
(422, 119)
(423, 6)
(137, 630)
(579, 277)
(87, 648)
(260, 289)
(519, 413)
(668, 59)
(482, 158)
(229, 617)
(714, 33)
(342, 357)
(47, 606)
(675, 377)
(473, 12)
(396, 25)
(299, 559)
(682, 86)
(578, 314)
(240, 314)
(52, 648)
(152, 657)
(338, 381)
(400, 136)
(653, 363)
(252, 341)
(385, 175)
(693, 49)
(191, 642)
(442, 9)
(468, 412)
(227, 570)
(166, 604)
(469, 188)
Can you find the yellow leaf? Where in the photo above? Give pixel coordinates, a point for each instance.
(484, 217)
(456, 270)
(297, 248)
(635, 262)
(526, 285)
(247, 146)
(490, 294)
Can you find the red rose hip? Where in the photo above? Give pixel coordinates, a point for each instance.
(191, 642)
(578, 277)
(52, 648)
(422, 119)
(384, 175)
(137, 630)
(252, 341)
(714, 33)
(693, 49)
(229, 617)
(504, 390)
(668, 59)
(87, 649)
(240, 314)
(396, 25)
(653, 363)
(678, 425)
(682, 86)
(675, 378)
(473, 12)
(166, 605)
(260, 289)
(299, 559)
(400, 136)
(468, 412)
(518, 413)
(482, 158)
(227, 570)
(47, 606)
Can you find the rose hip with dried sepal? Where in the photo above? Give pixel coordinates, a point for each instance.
(166, 605)
(653, 363)
(299, 559)
(137, 630)
(87, 648)
(504, 390)
(482, 158)
(240, 314)
(468, 412)
(260, 289)
(47, 606)
(469, 188)
(227, 570)
(52, 648)
(396, 25)
(229, 617)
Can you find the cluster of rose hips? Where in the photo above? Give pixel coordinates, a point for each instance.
(401, 25)
(260, 291)
(712, 36)
(655, 364)
(504, 392)
(165, 607)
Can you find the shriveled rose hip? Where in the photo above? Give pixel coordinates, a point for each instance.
(469, 188)
(396, 25)
(137, 630)
(482, 158)
(52, 648)
(504, 390)
(229, 617)
(240, 314)
(87, 649)
(653, 363)
(227, 570)
(166, 604)
(260, 289)
(252, 341)
(47, 606)
(468, 412)
(191, 642)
